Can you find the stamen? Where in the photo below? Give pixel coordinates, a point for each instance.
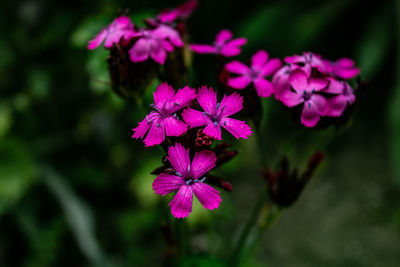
(218, 104)
(177, 173)
(203, 179)
(158, 125)
(216, 123)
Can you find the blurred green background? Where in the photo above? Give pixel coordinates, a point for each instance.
(75, 189)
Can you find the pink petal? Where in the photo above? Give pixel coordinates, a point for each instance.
(174, 127)
(122, 22)
(213, 130)
(166, 32)
(335, 87)
(237, 67)
(182, 98)
(345, 62)
(207, 195)
(207, 99)
(163, 94)
(231, 104)
(168, 16)
(185, 9)
(98, 39)
(310, 115)
(166, 183)
(290, 99)
(259, 59)
(144, 125)
(336, 106)
(202, 163)
(167, 46)
(239, 82)
(157, 51)
(317, 83)
(294, 59)
(181, 204)
(263, 87)
(232, 48)
(203, 48)
(156, 134)
(140, 50)
(320, 102)
(346, 74)
(194, 118)
(223, 36)
(298, 80)
(178, 156)
(281, 81)
(237, 128)
(271, 67)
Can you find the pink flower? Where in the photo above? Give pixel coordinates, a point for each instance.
(305, 91)
(164, 120)
(345, 96)
(188, 180)
(260, 68)
(307, 62)
(343, 68)
(281, 81)
(183, 11)
(121, 29)
(224, 45)
(216, 115)
(155, 44)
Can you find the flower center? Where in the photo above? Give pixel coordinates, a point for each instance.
(307, 95)
(190, 181)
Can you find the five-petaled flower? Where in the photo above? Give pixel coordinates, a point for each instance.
(120, 30)
(305, 91)
(188, 179)
(155, 44)
(344, 96)
(216, 114)
(343, 68)
(224, 45)
(261, 67)
(164, 120)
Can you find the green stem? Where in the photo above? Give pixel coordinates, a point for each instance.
(181, 238)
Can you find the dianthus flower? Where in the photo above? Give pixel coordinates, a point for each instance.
(121, 29)
(188, 179)
(224, 45)
(216, 114)
(307, 62)
(164, 120)
(305, 91)
(155, 44)
(261, 67)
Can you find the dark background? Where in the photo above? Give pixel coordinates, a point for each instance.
(75, 189)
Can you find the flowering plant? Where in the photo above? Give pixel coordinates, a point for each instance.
(194, 125)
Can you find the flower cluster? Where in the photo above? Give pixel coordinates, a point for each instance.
(319, 84)
(160, 37)
(173, 114)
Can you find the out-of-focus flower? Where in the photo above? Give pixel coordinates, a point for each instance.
(164, 120)
(345, 96)
(343, 68)
(120, 30)
(305, 91)
(216, 114)
(155, 44)
(187, 180)
(261, 67)
(224, 45)
(307, 62)
(183, 11)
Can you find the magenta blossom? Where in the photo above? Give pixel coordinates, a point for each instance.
(307, 62)
(345, 96)
(281, 81)
(164, 120)
(216, 114)
(183, 11)
(121, 29)
(260, 68)
(305, 91)
(188, 180)
(342, 68)
(155, 44)
(224, 45)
